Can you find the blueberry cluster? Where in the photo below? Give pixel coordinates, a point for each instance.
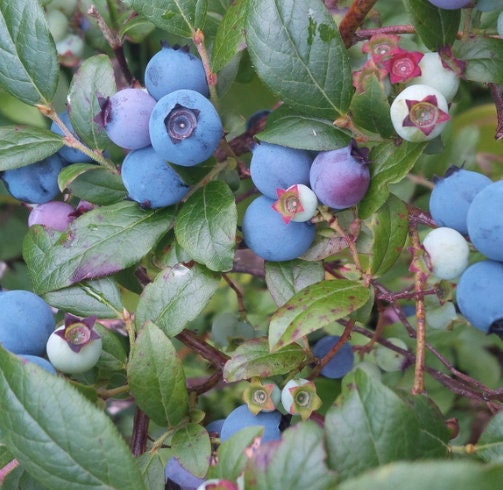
(461, 202)
(276, 225)
(171, 121)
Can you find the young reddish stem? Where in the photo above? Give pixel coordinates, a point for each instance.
(139, 437)
(211, 76)
(12, 465)
(353, 19)
(201, 347)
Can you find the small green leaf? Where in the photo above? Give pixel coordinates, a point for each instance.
(305, 132)
(114, 356)
(40, 431)
(389, 164)
(297, 463)
(436, 27)
(313, 308)
(433, 475)
(152, 464)
(206, 226)
(191, 445)
(253, 359)
(230, 37)
(284, 279)
(97, 244)
(298, 53)
(370, 109)
(23, 145)
(179, 17)
(100, 298)
(29, 68)
(359, 436)
(95, 77)
(389, 228)
(156, 378)
(483, 57)
(490, 444)
(176, 296)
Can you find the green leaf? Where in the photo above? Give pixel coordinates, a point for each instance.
(191, 445)
(29, 68)
(253, 359)
(490, 444)
(370, 109)
(389, 165)
(304, 132)
(57, 436)
(284, 279)
(370, 425)
(23, 145)
(230, 37)
(297, 51)
(176, 296)
(483, 57)
(152, 465)
(313, 308)
(206, 226)
(156, 378)
(389, 229)
(435, 26)
(100, 298)
(95, 77)
(297, 463)
(179, 17)
(433, 475)
(231, 454)
(114, 356)
(97, 244)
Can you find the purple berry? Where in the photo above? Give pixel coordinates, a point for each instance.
(450, 4)
(340, 178)
(56, 215)
(125, 117)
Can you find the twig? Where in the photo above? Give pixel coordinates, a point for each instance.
(353, 19)
(139, 437)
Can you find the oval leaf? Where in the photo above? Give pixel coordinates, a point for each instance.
(41, 431)
(483, 57)
(206, 226)
(191, 445)
(297, 51)
(98, 243)
(29, 69)
(156, 378)
(313, 308)
(490, 444)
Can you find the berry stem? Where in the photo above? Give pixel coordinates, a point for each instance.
(353, 19)
(211, 76)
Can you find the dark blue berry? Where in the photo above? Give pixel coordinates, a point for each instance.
(341, 363)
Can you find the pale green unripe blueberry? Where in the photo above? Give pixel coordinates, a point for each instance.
(448, 252)
(70, 46)
(441, 316)
(389, 360)
(434, 74)
(419, 113)
(58, 24)
(66, 6)
(309, 202)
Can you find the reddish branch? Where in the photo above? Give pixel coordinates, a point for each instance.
(353, 19)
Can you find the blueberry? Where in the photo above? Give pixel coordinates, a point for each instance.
(452, 196)
(340, 178)
(36, 183)
(275, 167)
(185, 128)
(484, 221)
(26, 322)
(479, 295)
(71, 155)
(266, 233)
(341, 363)
(39, 361)
(450, 4)
(125, 116)
(241, 417)
(175, 68)
(176, 473)
(56, 215)
(150, 180)
(215, 426)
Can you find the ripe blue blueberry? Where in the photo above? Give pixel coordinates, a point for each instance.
(452, 195)
(26, 322)
(35, 183)
(39, 361)
(241, 417)
(479, 296)
(341, 363)
(275, 167)
(125, 116)
(185, 128)
(71, 155)
(484, 221)
(266, 233)
(176, 473)
(450, 4)
(340, 178)
(150, 180)
(175, 68)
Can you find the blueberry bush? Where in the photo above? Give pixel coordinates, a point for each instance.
(219, 257)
